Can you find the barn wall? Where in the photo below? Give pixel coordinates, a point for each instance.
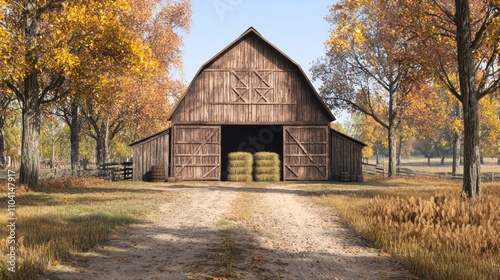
(305, 153)
(154, 151)
(251, 83)
(345, 156)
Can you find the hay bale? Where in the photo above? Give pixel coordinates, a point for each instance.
(240, 170)
(239, 163)
(240, 167)
(267, 177)
(267, 167)
(266, 156)
(266, 163)
(240, 177)
(267, 170)
(240, 156)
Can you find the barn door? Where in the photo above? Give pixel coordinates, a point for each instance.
(305, 153)
(197, 152)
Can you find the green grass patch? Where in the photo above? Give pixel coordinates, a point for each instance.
(58, 221)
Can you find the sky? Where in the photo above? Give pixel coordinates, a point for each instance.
(297, 27)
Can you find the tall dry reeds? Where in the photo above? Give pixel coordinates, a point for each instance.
(437, 236)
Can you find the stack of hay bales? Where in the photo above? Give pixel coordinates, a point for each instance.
(240, 166)
(267, 167)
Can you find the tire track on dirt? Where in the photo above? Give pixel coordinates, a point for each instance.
(170, 244)
(298, 239)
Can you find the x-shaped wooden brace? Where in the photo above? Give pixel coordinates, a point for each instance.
(306, 154)
(262, 92)
(242, 87)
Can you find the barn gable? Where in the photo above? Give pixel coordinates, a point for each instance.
(251, 82)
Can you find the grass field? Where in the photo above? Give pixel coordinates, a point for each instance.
(419, 164)
(425, 224)
(65, 218)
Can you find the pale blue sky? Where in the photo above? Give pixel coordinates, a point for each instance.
(298, 28)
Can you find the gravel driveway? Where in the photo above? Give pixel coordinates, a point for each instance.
(242, 231)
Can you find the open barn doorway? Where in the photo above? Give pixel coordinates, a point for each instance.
(250, 138)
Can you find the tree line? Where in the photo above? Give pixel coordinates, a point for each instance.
(418, 67)
(104, 68)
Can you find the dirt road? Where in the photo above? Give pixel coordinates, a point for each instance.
(233, 231)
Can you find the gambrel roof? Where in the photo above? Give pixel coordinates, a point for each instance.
(251, 65)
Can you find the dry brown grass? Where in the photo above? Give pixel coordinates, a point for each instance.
(427, 225)
(65, 218)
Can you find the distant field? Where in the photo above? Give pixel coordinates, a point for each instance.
(420, 164)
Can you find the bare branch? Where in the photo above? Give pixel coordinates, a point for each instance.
(451, 16)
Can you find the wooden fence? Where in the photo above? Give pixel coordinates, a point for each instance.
(373, 169)
(116, 171)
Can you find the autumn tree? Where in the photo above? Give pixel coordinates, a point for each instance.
(365, 69)
(489, 122)
(368, 131)
(5, 104)
(52, 133)
(145, 91)
(433, 104)
(52, 42)
(460, 37)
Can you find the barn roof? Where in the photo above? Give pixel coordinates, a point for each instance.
(165, 131)
(349, 138)
(249, 31)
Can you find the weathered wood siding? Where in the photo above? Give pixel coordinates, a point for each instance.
(305, 153)
(153, 151)
(251, 83)
(197, 152)
(345, 156)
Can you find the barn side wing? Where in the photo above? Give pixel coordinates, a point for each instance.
(153, 150)
(345, 156)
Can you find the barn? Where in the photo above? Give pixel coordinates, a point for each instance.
(249, 97)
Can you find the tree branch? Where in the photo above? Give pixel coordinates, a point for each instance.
(451, 16)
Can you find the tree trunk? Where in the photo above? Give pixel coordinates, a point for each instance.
(400, 149)
(456, 154)
(392, 151)
(2, 143)
(442, 160)
(472, 166)
(100, 150)
(107, 143)
(53, 153)
(74, 138)
(30, 147)
(428, 161)
(30, 150)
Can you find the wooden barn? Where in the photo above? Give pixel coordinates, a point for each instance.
(249, 97)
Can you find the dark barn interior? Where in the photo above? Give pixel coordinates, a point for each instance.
(250, 138)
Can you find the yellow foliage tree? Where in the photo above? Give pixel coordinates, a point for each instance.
(55, 46)
(366, 67)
